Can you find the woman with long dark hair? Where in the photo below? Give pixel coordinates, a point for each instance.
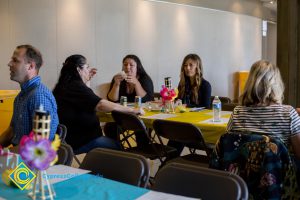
(77, 105)
(133, 82)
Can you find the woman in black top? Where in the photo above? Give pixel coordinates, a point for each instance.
(194, 90)
(77, 105)
(133, 82)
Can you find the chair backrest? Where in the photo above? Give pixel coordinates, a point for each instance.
(199, 182)
(128, 121)
(62, 132)
(224, 100)
(102, 90)
(229, 106)
(65, 154)
(263, 162)
(180, 132)
(156, 95)
(118, 165)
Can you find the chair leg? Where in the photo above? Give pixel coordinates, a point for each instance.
(77, 160)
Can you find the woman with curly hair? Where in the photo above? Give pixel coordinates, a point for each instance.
(194, 90)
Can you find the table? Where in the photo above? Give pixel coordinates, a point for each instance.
(203, 119)
(87, 186)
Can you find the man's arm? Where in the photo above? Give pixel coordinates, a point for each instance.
(6, 137)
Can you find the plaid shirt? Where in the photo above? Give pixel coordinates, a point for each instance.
(33, 94)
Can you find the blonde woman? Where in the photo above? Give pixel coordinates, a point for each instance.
(261, 109)
(194, 90)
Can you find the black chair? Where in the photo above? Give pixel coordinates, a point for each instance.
(263, 162)
(229, 106)
(129, 125)
(118, 165)
(65, 154)
(199, 182)
(157, 95)
(224, 100)
(187, 134)
(62, 132)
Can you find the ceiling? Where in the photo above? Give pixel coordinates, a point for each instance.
(271, 4)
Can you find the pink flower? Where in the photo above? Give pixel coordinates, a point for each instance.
(168, 94)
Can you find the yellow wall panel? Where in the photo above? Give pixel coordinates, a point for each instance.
(243, 76)
(6, 107)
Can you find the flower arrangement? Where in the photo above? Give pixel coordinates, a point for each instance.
(168, 94)
(38, 152)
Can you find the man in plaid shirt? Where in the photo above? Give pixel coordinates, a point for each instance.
(24, 68)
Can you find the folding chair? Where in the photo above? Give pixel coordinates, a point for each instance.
(129, 125)
(62, 132)
(118, 165)
(229, 106)
(199, 182)
(65, 154)
(263, 162)
(184, 133)
(224, 100)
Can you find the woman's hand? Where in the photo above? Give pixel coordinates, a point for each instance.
(139, 111)
(93, 72)
(118, 79)
(131, 80)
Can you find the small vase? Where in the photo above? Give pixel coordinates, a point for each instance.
(169, 107)
(41, 188)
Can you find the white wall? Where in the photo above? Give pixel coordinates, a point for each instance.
(161, 34)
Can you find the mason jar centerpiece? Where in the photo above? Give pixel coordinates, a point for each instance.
(168, 96)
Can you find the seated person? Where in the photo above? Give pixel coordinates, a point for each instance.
(193, 89)
(24, 67)
(261, 110)
(263, 95)
(77, 106)
(134, 82)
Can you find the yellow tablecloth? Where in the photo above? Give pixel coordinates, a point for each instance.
(211, 130)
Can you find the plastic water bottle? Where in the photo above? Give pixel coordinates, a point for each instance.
(217, 107)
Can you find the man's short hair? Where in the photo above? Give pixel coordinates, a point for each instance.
(32, 54)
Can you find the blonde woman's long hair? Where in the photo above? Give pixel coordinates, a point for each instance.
(197, 78)
(264, 85)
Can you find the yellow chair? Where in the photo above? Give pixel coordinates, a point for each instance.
(7, 98)
(243, 76)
